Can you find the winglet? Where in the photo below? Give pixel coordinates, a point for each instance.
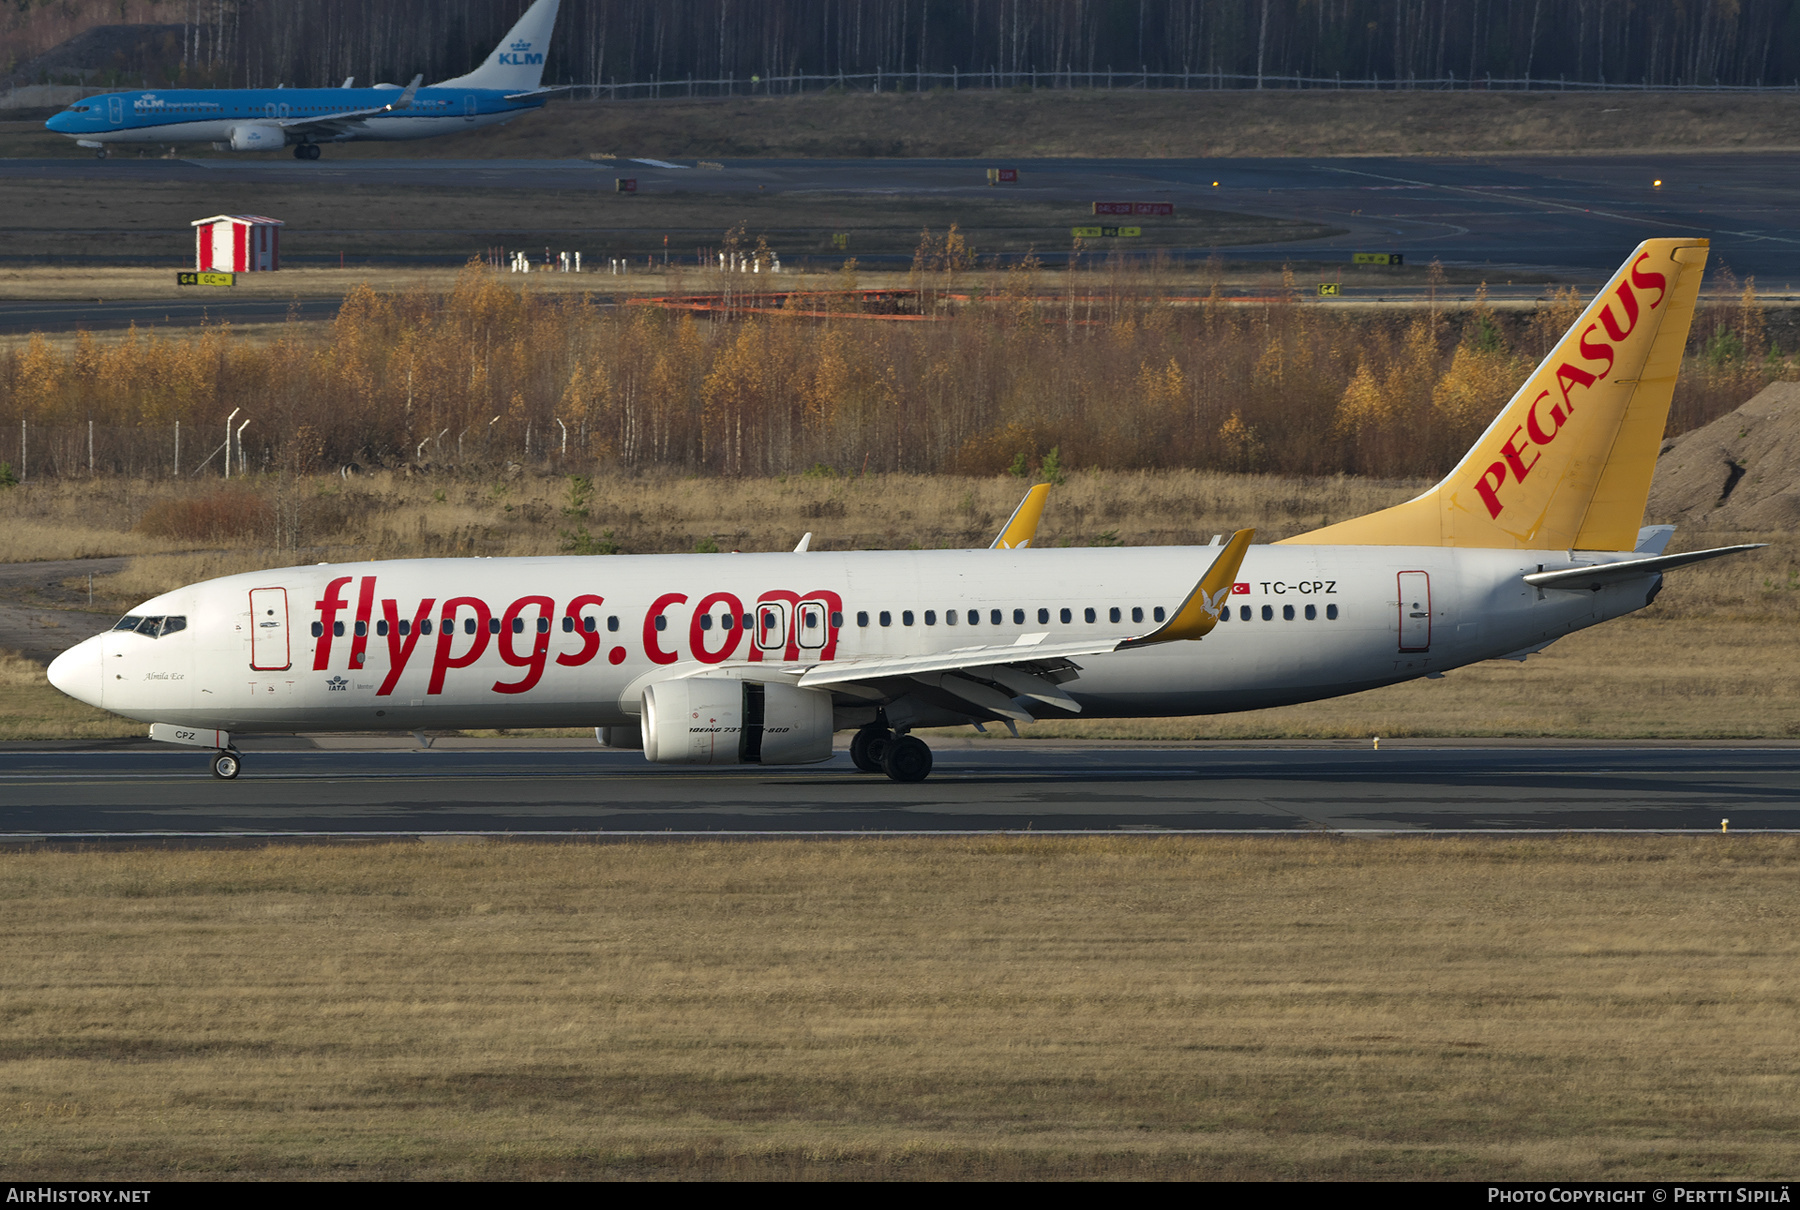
(1021, 527)
(1199, 613)
(405, 99)
(805, 543)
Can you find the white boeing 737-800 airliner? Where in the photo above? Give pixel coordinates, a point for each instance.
(506, 85)
(760, 658)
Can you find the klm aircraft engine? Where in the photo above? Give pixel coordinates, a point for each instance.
(257, 136)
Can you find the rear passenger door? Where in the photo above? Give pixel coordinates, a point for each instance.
(1415, 611)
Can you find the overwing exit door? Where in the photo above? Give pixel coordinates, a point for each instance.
(771, 626)
(269, 630)
(1415, 611)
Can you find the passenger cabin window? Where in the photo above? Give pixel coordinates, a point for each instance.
(1043, 617)
(1137, 613)
(1331, 613)
(1112, 615)
(1088, 613)
(862, 617)
(1067, 616)
(931, 617)
(887, 619)
(1018, 617)
(994, 617)
(1157, 613)
(906, 617)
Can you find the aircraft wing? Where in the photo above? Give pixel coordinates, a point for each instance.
(991, 677)
(543, 92)
(336, 122)
(1600, 575)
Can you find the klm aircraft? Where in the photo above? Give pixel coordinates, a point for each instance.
(506, 85)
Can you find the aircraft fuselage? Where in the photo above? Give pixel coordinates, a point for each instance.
(574, 641)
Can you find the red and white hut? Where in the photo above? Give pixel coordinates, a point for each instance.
(237, 243)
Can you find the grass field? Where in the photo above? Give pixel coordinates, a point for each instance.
(139, 220)
(1122, 122)
(1577, 1008)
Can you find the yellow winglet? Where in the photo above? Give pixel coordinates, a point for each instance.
(1021, 527)
(1199, 613)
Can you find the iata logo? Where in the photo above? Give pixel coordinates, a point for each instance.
(337, 684)
(1543, 423)
(518, 55)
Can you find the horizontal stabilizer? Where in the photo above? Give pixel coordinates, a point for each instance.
(1600, 575)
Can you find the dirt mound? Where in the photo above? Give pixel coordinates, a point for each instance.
(1742, 471)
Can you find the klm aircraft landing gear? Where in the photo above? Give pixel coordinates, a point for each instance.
(100, 154)
(306, 151)
(870, 746)
(907, 759)
(226, 765)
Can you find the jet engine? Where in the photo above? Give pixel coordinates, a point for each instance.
(717, 721)
(257, 136)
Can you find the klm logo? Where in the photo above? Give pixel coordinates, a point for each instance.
(518, 55)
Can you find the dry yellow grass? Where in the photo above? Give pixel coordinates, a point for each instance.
(1567, 1009)
(31, 709)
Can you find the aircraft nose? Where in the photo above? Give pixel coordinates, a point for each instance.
(76, 671)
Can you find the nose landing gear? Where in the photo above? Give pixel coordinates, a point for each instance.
(227, 765)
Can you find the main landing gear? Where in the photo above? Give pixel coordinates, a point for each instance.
(876, 749)
(226, 764)
(306, 151)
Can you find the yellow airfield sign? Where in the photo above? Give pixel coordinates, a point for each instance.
(206, 278)
(1106, 232)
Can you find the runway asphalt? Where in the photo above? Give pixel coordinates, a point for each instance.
(63, 315)
(291, 789)
(1569, 215)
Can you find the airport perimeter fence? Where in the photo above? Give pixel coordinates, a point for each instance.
(1141, 81)
(35, 452)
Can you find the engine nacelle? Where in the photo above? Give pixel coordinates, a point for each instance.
(257, 136)
(717, 721)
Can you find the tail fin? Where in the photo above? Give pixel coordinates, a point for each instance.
(1567, 464)
(517, 64)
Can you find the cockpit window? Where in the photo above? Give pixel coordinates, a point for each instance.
(152, 627)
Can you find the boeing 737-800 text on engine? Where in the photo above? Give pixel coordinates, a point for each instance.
(506, 85)
(761, 658)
